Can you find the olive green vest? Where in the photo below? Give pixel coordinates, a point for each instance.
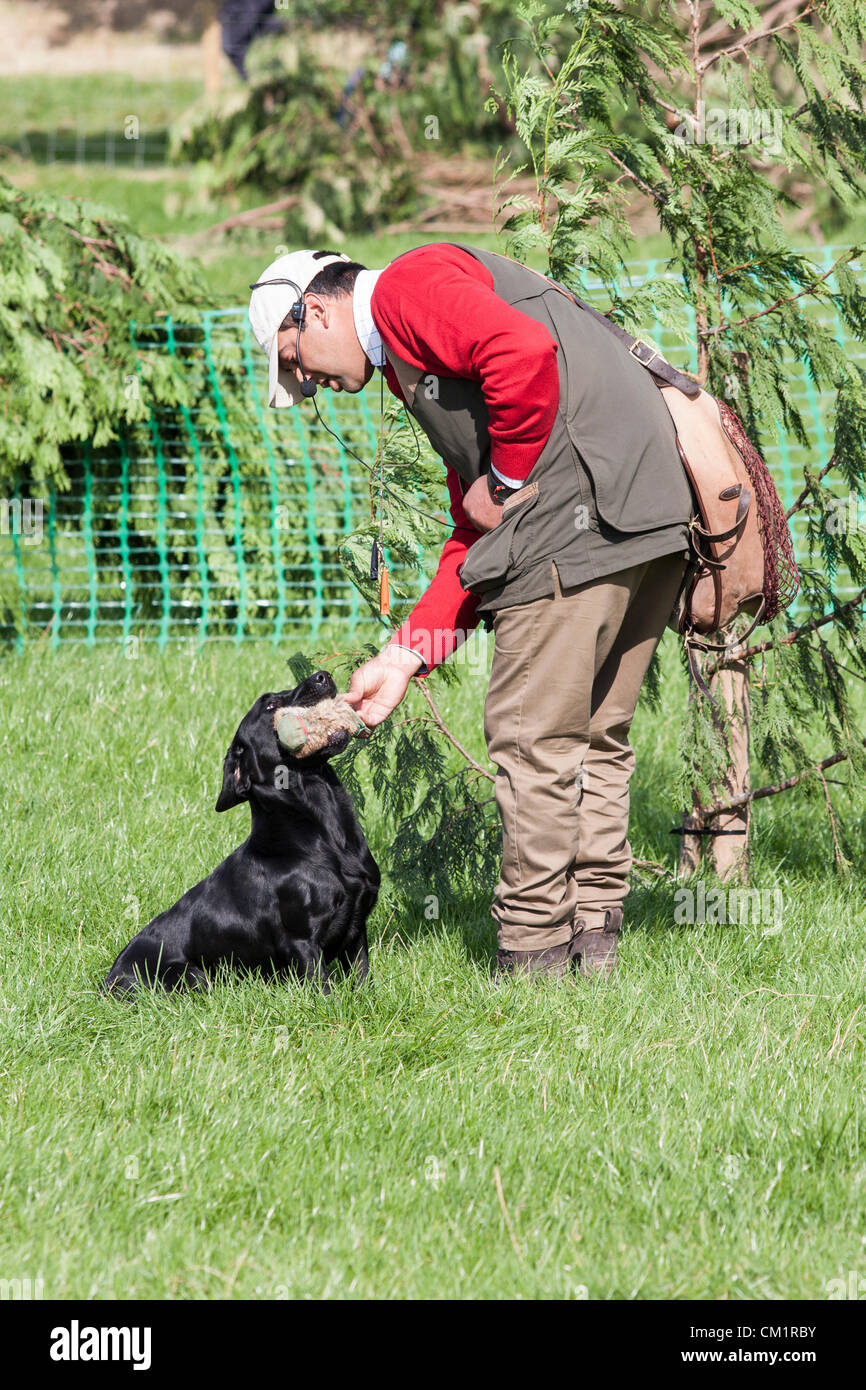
(608, 490)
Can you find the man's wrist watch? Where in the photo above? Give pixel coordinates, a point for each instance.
(499, 491)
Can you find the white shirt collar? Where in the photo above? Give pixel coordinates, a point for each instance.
(368, 333)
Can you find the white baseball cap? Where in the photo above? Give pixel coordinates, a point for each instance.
(269, 306)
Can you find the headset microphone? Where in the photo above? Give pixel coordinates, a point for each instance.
(308, 387)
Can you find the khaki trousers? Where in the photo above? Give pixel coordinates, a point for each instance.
(566, 675)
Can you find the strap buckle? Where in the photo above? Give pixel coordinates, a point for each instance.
(634, 351)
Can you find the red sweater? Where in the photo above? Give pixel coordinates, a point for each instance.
(436, 308)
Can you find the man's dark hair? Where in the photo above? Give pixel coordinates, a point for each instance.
(333, 280)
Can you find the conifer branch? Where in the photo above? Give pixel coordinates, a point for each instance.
(443, 727)
(463, 811)
(797, 505)
(846, 256)
(841, 861)
(636, 178)
(788, 640)
(721, 30)
(755, 37)
(700, 815)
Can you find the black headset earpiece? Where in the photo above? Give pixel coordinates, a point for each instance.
(298, 311)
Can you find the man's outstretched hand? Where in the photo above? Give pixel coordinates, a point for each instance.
(377, 687)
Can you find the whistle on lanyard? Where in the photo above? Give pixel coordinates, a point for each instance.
(379, 570)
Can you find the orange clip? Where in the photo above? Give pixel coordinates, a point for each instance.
(384, 593)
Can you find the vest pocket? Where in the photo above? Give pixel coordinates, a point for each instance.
(524, 494)
(496, 556)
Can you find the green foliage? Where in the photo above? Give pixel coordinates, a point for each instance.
(445, 837)
(406, 486)
(97, 375)
(350, 152)
(115, 392)
(88, 396)
(291, 131)
(71, 277)
(566, 84)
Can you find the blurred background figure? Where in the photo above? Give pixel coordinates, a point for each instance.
(242, 21)
(392, 72)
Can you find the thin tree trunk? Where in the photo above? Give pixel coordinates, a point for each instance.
(211, 48)
(730, 852)
(690, 845)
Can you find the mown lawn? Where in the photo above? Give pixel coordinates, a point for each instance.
(691, 1130)
(70, 135)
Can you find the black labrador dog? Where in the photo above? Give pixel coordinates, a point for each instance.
(294, 898)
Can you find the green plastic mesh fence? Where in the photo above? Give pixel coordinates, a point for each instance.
(225, 521)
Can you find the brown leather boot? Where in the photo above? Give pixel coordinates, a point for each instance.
(553, 960)
(593, 949)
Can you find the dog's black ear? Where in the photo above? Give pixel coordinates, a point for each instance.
(236, 780)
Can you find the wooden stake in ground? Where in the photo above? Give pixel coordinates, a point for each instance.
(212, 48)
(728, 851)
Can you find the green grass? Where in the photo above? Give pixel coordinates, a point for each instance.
(160, 199)
(80, 102)
(690, 1130)
(172, 202)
